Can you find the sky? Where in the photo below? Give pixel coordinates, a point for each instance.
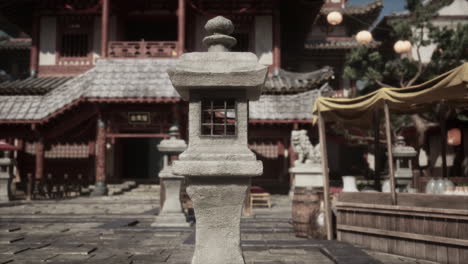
(389, 5)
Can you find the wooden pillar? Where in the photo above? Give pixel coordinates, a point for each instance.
(390, 153)
(104, 28)
(34, 54)
(181, 27)
(101, 151)
(276, 35)
(377, 151)
(91, 160)
(443, 138)
(39, 172)
(326, 184)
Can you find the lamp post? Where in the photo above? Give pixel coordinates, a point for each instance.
(218, 164)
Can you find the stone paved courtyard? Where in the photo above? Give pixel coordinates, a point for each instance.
(116, 229)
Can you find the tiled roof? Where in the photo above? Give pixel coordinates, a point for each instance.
(32, 86)
(284, 107)
(147, 79)
(10, 44)
(116, 78)
(355, 9)
(337, 44)
(285, 82)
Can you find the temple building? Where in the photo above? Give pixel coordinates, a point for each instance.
(97, 99)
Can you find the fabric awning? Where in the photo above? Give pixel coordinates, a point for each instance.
(450, 86)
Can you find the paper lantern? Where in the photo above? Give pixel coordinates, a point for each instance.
(402, 46)
(454, 137)
(398, 46)
(334, 18)
(364, 37)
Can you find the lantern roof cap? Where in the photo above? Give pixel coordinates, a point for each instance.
(401, 150)
(219, 69)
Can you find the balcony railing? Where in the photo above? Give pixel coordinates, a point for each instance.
(142, 49)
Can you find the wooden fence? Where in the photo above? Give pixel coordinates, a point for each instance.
(429, 227)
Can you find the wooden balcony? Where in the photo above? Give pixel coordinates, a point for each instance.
(143, 49)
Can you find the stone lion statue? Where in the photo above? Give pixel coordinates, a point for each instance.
(306, 152)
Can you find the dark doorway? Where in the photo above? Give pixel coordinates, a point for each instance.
(141, 158)
(150, 28)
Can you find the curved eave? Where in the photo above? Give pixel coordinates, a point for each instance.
(77, 102)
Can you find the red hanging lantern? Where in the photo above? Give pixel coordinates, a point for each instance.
(454, 137)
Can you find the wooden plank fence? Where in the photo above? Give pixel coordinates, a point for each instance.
(429, 227)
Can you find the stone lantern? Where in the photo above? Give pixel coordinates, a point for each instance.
(403, 155)
(171, 213)
(218, 163)
(6, 176)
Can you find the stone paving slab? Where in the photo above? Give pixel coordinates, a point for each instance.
(117, 229)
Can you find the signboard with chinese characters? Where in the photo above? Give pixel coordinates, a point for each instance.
(139, 118)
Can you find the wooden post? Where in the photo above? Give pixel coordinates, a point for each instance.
(326, 184)
(443, 138)
(91, 160)
(104, 28)
(39, 173)
(101, 151)
(390, 153)
(34, 54)
(377, 151)
(181, 28)
(276, 35)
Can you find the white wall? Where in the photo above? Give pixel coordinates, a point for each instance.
(47, 40)
(264, 39)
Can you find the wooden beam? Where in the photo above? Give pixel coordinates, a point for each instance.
(377, 151)
(181, 27)
(443, 138)
(136, 135)
(104, 28)
(34, 54)
(326, 185)
(390, 153)
(276, 35)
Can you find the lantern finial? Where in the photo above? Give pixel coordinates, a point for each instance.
(220, 28)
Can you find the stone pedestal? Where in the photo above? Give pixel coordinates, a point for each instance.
(307, 175)
(100, 189)
(218, 208)
(5, 179)
(171, 214)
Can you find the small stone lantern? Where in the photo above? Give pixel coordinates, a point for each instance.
(403, 155)
(171, 213)
(6, 176)
(218, 163)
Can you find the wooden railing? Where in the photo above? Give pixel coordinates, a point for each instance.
(142, 49)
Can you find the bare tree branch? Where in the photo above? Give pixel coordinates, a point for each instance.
(383, 84)
(421, 125)
(420, 67)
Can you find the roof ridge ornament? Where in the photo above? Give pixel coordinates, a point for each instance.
(219, 29)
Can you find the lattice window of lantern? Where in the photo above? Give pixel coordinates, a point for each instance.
(218, 117)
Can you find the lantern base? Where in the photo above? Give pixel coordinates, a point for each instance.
(218, 208)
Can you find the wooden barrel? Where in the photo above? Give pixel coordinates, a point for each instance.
(305, 208)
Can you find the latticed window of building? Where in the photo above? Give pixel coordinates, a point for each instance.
(218, 118)
(74, 45)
